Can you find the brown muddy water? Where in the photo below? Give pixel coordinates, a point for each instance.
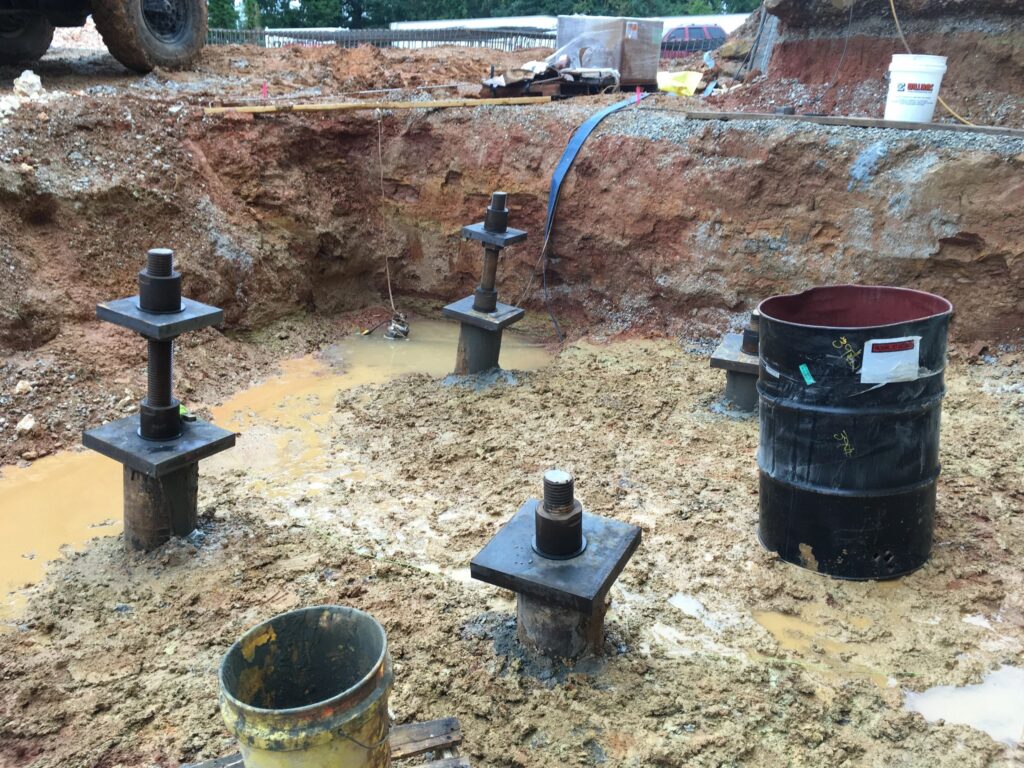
(59, 501)
(63, 501)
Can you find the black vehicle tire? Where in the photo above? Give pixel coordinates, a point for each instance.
(24, 38)
(143, 34)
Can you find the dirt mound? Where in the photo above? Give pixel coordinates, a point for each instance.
(339, 70)
(984, 80)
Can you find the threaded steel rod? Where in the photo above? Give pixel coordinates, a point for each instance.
(158, 373)
(160, 262)
(559, 494)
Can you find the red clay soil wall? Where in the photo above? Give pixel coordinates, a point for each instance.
(663, 222)
(976, 62)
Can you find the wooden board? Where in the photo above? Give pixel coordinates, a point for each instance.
(406, 741)
(417, 738)
(353, 106)
(857, 122)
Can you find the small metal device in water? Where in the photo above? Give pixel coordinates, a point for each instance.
(398, 327)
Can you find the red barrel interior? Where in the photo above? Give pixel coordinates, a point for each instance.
(854, 306)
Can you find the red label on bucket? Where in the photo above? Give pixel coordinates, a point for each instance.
(892, 346)
(928, 87)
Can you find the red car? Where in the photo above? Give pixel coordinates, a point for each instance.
(680, 41)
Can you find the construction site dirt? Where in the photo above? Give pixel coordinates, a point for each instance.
(377, 488)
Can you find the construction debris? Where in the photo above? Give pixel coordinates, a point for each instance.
(594, 54)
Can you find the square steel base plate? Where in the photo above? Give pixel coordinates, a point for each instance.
(120, 440)
(159, 326)
(500, 239)
(502, 316)
(580, 583)
(729, 356)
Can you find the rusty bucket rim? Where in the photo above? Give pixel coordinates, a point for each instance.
(769, 315)
(343, 701)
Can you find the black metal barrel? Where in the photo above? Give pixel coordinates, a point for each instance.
(851, 386)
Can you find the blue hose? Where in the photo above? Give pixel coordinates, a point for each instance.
(564, 164)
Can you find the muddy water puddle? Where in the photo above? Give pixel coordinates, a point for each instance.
(59, 501)
(807, 642)
(285, 421)
(995, 705)
(66, 499)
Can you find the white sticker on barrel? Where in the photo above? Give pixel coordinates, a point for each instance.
(891, 360)
(771, 371)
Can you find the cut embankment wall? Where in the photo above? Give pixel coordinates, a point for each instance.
(663, 222)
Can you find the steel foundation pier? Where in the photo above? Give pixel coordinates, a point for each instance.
(737, 356)
(160, 450)
(560, 561)
(481, 315)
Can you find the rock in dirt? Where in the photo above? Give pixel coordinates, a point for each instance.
(26, 425)
(28, 84)
(22, 388)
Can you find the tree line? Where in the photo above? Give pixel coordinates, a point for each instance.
(369, 14)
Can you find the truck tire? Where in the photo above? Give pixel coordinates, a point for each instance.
(24, 38)
(143, 34)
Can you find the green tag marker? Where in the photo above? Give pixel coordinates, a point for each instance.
(808, 379)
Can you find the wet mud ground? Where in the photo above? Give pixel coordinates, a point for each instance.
(718, 654)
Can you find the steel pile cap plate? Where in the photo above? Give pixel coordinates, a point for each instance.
(120, 440)
(161, 327)
(580, 583)
(500, 239)
(502, 316)
(729, 356)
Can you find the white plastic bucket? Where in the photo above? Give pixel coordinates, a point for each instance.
(914, 82)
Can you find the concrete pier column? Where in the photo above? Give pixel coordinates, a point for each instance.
(478, 351)
(155, 509)
(559, 632)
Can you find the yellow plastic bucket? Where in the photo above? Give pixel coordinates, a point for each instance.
(309, 689)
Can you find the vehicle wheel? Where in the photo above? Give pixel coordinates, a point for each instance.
(143, 34)
(23, 38)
